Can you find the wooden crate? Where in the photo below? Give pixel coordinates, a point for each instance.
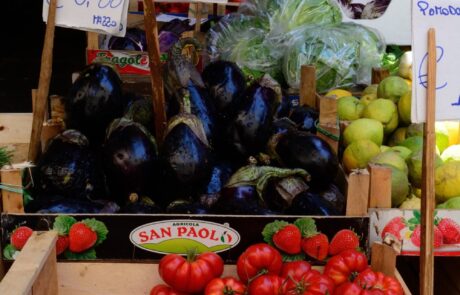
(36, 271)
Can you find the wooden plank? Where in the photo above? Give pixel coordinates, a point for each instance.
(12, 202)
(15, 128)
(92, 40)
(57, 107)
(43, 84)
(378, 74)
(380, 187)
(308, 86)
(329, 129)
(49, 131)
(34, 258)
(155, 69)
(383, 259)
(358, 193)
(428, 177)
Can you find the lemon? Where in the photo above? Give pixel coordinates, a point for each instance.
(447, 181)
(452, 153)
(384, 148)
(415, 167)
(338, 93)
(399, 186)
(412, 203)
(403, 152)
(367, 98)
(442, 138)
(391, 158)
(349, 108)
(392, 88)
(364, 129)
(385, 111)
(453, 130)
(398, 136)
(371, 89)
(358, 154)
(404, 108)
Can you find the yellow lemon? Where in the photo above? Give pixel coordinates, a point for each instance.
(358, 154)
(447, 181)
(338, 93)
(364, 129)
(349, 108)
(392, 87)
(385, 111)
(404, 108)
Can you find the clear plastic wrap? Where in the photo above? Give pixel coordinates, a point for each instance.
(242, 39)
(343, 55)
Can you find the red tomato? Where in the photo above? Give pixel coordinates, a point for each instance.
(371, 280)
(348, 288)
(311, 282)
(266, 285)
(295, 269)
(190, 275)
(225, 286)
(258, 258)
(342, 267)
(164, 290)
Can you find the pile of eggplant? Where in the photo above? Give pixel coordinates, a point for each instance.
(231, 146)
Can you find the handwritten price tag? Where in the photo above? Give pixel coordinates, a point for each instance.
(444, 16)
(102, 16)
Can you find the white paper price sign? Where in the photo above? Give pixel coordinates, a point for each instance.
(102, 16)
(444, 16)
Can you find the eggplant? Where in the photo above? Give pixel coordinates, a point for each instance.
(186, 152)
(64, 205)
(131, 160)
(134, 40)
(69, 168)
(226, 84)
(311, 203)
(279, 193)
(309, 152)
(334, 196)
(239, 200)
(94, 100)
(139, 109)
(220, 174)
(283, 125)
(143, 205)
(305, 118)
(186, 207)
(250, 130)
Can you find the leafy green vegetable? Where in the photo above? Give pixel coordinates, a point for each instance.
(87, 255)
(63, 223)
(99, 227)
(272, 228)
(391, 59)
(5, 156)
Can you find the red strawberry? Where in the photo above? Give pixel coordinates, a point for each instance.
(81, 237)
(450, 231)
(416, 237)
(316, 246)
(20, 236)
(62, 243)
(288, 239)
(344, 239)
(394, 227)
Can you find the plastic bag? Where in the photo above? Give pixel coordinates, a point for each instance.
(343, 55)
(242, 39)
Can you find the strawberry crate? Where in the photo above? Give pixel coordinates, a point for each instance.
(36, 271)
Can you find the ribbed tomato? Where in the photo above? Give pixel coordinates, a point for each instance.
(266, 285)
(311, 282)
(370, 280)
(344, 266)
(190, 275)
(225, 286)
(164, 290)
(257, 259)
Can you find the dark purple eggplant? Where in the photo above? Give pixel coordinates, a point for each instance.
(283, 125)
(309, 152)
(186, 207)
(250, 130)
(305, 118)
(334, 196)
(139, 109)
(239, 200)
(95, 99)
(226, 84)
(69, 168)
(310, 203)
(143, 205)
(134, 40)
(279, 193)
(186, 151)
(131, 160)
(220, 174)
(64, 205)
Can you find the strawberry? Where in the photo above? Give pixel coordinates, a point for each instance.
(62, 243)
(316, 246)
(288, 239)
(20, 236)
(416, 237)
(81, 237)
(344, 239)
(450, 231)
(394, 227)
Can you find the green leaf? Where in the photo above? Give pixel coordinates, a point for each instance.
(417, 215)
(87, 255)
(271, 228)
(9, 252)
(27, 197)
(63, 223)
(98, 227)
(307, 226)
(296, 257)
(414, 221)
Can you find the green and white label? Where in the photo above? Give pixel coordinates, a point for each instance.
(179, 236)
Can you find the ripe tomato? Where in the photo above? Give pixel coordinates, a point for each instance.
(266, 285)
(311, 282)
(258, 258)
(164, 290)
(225, 286)
(190, 275)
(371, 280)
(342, 267)
(295, 269)
(348, 288)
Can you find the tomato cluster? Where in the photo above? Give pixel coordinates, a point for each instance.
(261, 271)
